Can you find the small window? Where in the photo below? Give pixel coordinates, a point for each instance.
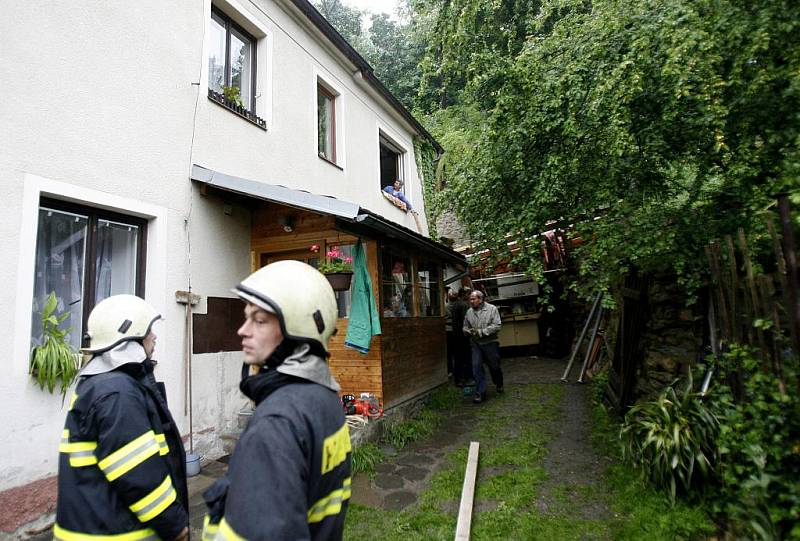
(397, 287)
(391, 157)
(232, 67)
(429, 293)
(84, 256)
(326, 124)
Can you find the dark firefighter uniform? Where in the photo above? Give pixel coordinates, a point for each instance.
(289, 477)
(122, 463)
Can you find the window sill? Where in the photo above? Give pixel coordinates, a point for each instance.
(326, 160)
(225, 103)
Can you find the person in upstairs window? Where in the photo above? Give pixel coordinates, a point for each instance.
(396, 190)
(122, 466)
(289, 476)
(482, 325)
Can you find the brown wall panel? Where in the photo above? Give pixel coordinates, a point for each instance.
(414, 357)
(216, 329)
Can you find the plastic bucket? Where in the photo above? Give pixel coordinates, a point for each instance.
(192, 464)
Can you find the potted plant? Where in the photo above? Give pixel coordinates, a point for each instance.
(53, 359)
(337, 268)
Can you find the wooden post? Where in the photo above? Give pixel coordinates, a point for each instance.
(755, 311)
(733, 291)
(467, 494)
(790, 255)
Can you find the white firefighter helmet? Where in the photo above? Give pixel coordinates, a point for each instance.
(299, 295)
(119, 318)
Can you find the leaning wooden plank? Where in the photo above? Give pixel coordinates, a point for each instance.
(467, 494)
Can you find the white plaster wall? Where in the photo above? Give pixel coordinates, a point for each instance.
(286, 153)
(96, 106)
(105, 103)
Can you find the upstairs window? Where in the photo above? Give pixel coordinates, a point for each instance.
(232, 67)
(326, 124)
(391, 157)
(84, 255)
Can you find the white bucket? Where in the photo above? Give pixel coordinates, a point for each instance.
(192, 464)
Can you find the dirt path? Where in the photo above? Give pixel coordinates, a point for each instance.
(572, 471)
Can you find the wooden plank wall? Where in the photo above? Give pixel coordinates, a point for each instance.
(356, 373)
(268, 235)
(414, 357)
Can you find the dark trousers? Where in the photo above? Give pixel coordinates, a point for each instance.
(489, 354)
(457, 356)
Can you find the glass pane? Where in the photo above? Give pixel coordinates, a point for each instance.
(396, 286)
(60, 263)
(116, 259)
(216, 54)
(326, 127)
(429, 295)
(242, 66)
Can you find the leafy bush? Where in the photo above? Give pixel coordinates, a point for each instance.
(365, 456)
(672, 440)
(53, 360)
(759, 448)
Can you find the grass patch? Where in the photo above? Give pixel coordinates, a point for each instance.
(365, 456)
(401, 433)
(513, 445)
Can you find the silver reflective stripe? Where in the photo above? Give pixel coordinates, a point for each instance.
(143, 447)
(155, 503)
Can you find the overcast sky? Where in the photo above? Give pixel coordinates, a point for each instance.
(375, 6)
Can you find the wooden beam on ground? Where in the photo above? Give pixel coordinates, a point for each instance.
(467, 494)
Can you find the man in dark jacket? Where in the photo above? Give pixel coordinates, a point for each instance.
(122, 466)
(457, 345)
(289, 477)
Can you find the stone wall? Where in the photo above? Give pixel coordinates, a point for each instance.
(672, 337)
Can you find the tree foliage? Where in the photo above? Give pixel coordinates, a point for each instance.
(392, 48)
(652, 126)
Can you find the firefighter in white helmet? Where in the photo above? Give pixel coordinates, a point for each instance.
(122, 466)
(289, 477)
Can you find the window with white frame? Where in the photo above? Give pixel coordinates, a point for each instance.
(391, 161)
(84, 255)
(232, 66)
(326, 123)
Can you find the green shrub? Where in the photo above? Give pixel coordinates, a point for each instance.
(759, 447)
(672, 440)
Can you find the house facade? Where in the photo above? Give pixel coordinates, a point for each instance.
(168, 150)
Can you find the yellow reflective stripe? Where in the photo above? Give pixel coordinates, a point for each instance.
(77, 446)
(79, 460)
(209, 530)
(60, 534)
(154, 503)
(163, 448)
(335, 449)
(72, 400)
(81, 453)
(226, 533)
(330, 504)
(129, 456)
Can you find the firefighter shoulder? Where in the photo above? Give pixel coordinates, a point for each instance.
(121, 460)
(289, 476)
